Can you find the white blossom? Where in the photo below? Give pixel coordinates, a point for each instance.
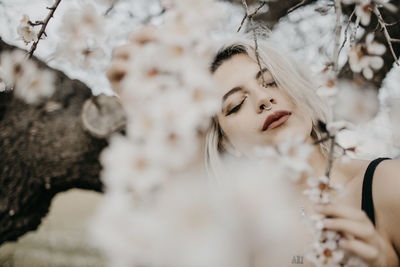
(26, 31)
(80, 22)
(23, 75)
(184, 225)
(328, 89)
(363, 10)
(373, 47)
(356, 104)
(11, 67)
(84, 29)
(130, 167)
(291, 156)
(321, 192)
(35, 85)
(335, 127)
(366, 63)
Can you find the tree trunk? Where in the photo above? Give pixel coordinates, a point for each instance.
(44, 150)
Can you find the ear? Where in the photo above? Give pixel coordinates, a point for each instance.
(228, 146)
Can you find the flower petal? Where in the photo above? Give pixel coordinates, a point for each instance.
(376, 48)
(376, 62)
(368, 74)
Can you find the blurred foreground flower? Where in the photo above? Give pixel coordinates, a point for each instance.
(356, 104)
(84, 29)
(368, 58)
(290, 157)
(23, 76)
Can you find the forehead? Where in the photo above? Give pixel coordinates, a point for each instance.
(235, 71)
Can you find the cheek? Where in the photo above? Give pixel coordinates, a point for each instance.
(236, 128)
(305, 122)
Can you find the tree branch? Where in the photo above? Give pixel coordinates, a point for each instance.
(386, 33)
(297, 6)
(346, 29)
(338, 31)
(44, 25)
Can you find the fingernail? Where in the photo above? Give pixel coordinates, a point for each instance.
(342, 242)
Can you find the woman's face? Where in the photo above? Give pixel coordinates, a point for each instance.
(244, 116)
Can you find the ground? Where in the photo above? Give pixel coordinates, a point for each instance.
(62, 238)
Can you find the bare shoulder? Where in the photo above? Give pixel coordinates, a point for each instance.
(387, 183)
(353, 170)
(386, 194)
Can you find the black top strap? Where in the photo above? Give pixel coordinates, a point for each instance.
(367, 202)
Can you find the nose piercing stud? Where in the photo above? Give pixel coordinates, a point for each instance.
(267, 108)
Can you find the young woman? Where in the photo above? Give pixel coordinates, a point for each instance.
(262, 104)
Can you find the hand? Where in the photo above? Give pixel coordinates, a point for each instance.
(360, 235)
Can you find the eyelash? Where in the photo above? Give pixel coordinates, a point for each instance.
(273, 83)
(236, 108)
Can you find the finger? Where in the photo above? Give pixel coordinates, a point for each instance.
(361, 249)
(355, 228)
(341, 211)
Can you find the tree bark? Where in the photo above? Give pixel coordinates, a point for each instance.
(44, 150)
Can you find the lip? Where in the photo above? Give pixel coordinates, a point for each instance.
(276, 119)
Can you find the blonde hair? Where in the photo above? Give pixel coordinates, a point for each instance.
(289, 75)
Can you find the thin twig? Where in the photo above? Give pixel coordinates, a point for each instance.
(264, 84)
(324, 139)
(346, 30)
(354, 32)
(386, 33)
(297, 6)
(152, 16)
(241, 24)
(338, 30)
(394, 40)
(250, 18)
(391, 24)
(330, 158)
(43, 28)
(109, 9)
(246, 13)
(262, 4)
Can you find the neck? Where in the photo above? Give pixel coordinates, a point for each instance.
(318, 163)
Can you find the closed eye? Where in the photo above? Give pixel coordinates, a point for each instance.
(236, 108)
(271, 84)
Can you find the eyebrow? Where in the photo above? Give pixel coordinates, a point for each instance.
(232, 91)
(237, 88)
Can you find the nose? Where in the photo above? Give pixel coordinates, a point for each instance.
(265, 103)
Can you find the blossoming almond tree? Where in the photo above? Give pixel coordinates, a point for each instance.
(151, 174)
